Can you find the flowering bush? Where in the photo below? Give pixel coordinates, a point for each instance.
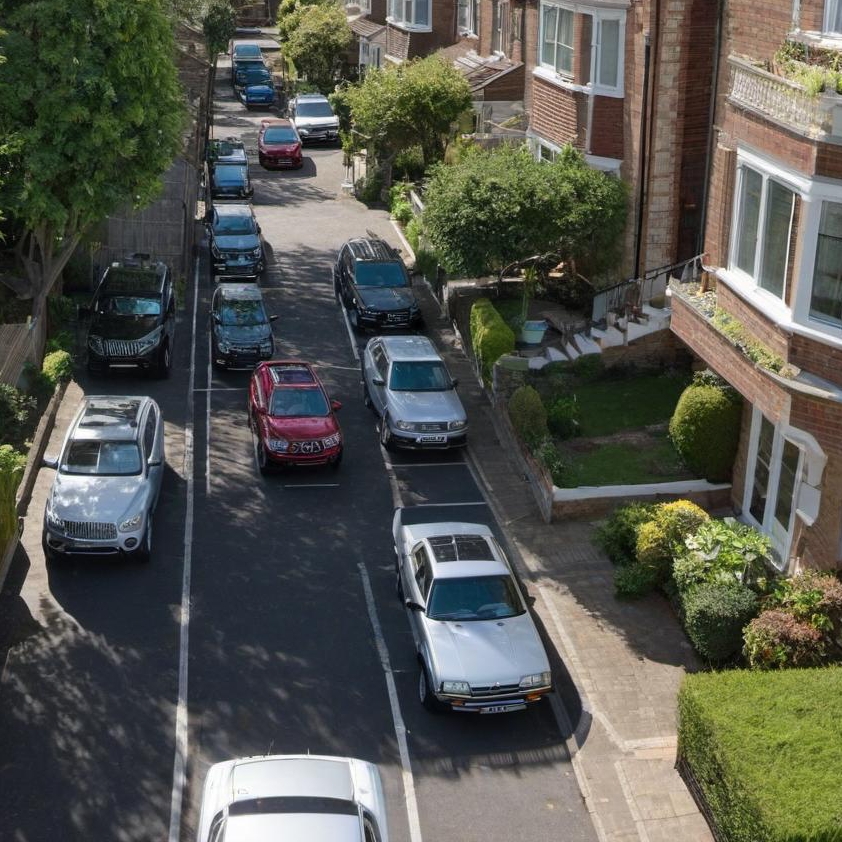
(658, 539)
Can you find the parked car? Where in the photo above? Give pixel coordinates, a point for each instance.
(257, 94)
(132, 317)
(407, 384)
(236, 247)
(227, 150)
(292, 418)
(244, 53)
(305, 797)
(278, 144)
(241, 331)
(251, 73)
(108, 478)
(478, 648)
(314, 118)
(370, 280)
(230, 181)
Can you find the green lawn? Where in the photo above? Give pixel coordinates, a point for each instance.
(611, 406)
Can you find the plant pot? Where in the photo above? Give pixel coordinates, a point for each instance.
(533, 331)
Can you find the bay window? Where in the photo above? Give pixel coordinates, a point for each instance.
(826, 291)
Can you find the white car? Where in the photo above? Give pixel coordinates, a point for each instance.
(477, 646)
(295, 796)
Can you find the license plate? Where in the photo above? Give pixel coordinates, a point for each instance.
(433, 439)
(501, 708)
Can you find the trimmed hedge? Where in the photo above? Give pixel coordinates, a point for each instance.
(491, 337)
(761, 746)
(12, 464)
(705, 429)
(57, 366)
(529, 418)
(618, 535)
(715, 616)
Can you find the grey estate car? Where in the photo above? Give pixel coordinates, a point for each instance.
(108, 478)
(477, 646)
(407, 384)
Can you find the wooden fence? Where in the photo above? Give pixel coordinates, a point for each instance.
(20, 344)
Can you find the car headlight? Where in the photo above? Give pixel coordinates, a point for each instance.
(459, 688)
(405, 425)
(132, 523)
(223, 346)
(278, 445)
(53, 519)
(456, 425)
(148, 342)
(332, 441)
(539, 679)
(95, 343)
(303, 130)
(258, 252)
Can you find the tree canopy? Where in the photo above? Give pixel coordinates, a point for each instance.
(218, 26)
(316, 44)
(492, 208)
(92, 112)
(414, 103)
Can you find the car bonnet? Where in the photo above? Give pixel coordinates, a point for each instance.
(87, 497)
(426, 406)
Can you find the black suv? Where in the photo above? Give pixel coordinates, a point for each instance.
(370, 280)
(236, 247)
(132, 317)
(241, 332)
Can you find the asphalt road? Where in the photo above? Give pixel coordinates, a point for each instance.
(292, 639)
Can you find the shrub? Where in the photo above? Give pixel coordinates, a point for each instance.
(370, 188)
(658, 539)
(427, 264)
(491, 337)
(61, 309)
(529, 418)
(758, 744)
(409, 163)
(399, 203)
(618, 535)
(778, 639)
(634, 580)
(715, 616)
(705, 430)
(61, 341)
(16, 410)
(721, 551)
(412, 232)
(12, 464)
(58, 366)
(812, 597)
(588, 367)
(563, 417)
(549, 455)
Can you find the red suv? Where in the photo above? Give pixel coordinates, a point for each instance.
(278, 144)
(291, 416)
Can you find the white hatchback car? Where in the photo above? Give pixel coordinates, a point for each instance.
(478, 648)
(293, 796)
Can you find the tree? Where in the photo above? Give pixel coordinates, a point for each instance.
(316, 44)
(218, 26)
(90, 98)
(414, 103)
(492, 208)
(290, 13)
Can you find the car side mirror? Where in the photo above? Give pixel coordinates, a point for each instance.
(216, 318)
(153, 462)
(412, 605)
(377, 381)
(258, 227)
(50, 461)
(273, 318)
(336, 405)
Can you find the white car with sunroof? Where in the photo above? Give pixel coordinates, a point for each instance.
(478, 648)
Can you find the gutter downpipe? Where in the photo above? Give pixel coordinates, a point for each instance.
(641, 167)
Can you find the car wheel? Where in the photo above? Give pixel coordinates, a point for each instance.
(386, 434)
(337, 289)
(164, 361)
(50, 555)
(425, 693)
(144, 552)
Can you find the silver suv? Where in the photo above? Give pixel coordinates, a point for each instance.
(107, 482)
(407, 384)
(314, 118)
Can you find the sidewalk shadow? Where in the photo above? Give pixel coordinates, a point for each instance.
(16, 621)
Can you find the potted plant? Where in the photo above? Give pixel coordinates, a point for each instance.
(531, 330)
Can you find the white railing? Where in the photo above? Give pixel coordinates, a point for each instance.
(784, 101)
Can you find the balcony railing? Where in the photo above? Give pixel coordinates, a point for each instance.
(785, 102)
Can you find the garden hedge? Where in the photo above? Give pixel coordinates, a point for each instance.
(12, 464)
(528, 416)
(714, 618)
(761, 747)
(491, 337)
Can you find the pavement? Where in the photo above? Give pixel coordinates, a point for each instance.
(626, 659)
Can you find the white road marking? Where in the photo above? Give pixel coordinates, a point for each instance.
(223, 388)
(397, 717)
(208, 391)
(428, 465)
(314, 485)
(181, 724)
(351, 335)
(443, 505)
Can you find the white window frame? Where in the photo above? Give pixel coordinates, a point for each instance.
(469, 27)
(397, 15)
(599, 16)
(364, 6)
(832, 10)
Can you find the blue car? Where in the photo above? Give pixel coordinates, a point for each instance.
(261, 93)
(231, 181)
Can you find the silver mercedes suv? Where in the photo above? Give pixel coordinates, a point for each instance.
(108, 479)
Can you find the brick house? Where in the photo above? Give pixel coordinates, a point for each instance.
(773, 255)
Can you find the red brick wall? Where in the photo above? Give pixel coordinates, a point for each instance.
(486, 22)
(554, 113)
(752, 319)
(757, 28)
(812, 15)
(816, 357)
(829, 160)
(653, 351)
(720, 203)
(608, 139)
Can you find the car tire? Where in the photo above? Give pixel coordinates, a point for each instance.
(425, 694)
(164, 364)
(337, 290)
(143, 553)
(386, 434)
(50, 556)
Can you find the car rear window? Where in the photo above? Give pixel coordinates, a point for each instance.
(474, 598)
(105, 458)
(380, 275)
(292, 403)
(280, 134)
(419, 376)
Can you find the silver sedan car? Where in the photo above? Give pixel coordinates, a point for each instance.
(477, 646)
(295, 796)
(407, 384)
(108, 478)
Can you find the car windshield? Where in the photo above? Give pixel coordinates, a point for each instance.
(419, 376)
(130, 305)
(229, 174)
(280, 134)
(107, 458)
(253, 74)
(243, 313)
(313, 109)
(233, 225)
(370, 274)
(290, 403)
(474, 598)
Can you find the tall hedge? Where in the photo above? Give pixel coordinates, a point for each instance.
(705, 429)
(491, 337)
(12, 464)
